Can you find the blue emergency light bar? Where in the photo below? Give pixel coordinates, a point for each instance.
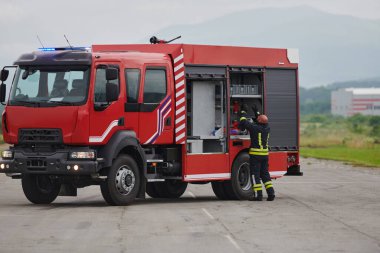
(64, 48)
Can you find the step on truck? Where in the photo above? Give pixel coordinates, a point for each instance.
(147, 118)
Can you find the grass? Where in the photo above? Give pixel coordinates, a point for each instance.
(357, 156)
(355, 140)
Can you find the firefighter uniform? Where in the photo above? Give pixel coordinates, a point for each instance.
(258, 157)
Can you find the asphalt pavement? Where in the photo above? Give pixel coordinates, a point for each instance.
(333, 208)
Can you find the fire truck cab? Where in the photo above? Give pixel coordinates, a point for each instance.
(139, 119)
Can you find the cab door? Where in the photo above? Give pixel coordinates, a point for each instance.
(132, 106)
(157, 105)
(105, 117)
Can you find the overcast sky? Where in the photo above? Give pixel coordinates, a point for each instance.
(99, 21)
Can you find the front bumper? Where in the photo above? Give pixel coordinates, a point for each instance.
(49, 163)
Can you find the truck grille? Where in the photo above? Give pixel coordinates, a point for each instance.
(40, 136)
(36, 165)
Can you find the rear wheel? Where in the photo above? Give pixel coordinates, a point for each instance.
(241, 179)
(229, 190)
(123, 182)
(40, 189)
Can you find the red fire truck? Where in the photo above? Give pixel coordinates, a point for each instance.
(151, 118)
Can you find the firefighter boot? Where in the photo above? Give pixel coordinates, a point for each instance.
(259, 196)
(270, 190)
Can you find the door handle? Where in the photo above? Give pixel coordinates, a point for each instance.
(168, 121)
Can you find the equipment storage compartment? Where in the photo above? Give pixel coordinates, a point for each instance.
(246, 93)
(206, 116)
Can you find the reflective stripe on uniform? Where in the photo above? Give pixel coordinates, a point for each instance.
(260, 141)
(268, 184)
(261, 150)
(257, 187)
(257, 151)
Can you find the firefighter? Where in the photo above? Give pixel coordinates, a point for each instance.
(258, 154)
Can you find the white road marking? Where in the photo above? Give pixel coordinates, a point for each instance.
(192, 195)
(233, 242)
(229, 237)
(208, 214)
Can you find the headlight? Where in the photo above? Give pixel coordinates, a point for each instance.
(7, 154)
(83, 155)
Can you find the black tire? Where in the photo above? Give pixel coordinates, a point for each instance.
(40, 189)
(241, 179)
(123, 182)
(227, 185)
(171, 189)
(151, 190)
(218, 188)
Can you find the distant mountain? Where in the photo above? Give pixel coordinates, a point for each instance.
(333, 48)
(368, 83)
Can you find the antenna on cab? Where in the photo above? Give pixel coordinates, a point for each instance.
(68, 42)
(40, 42)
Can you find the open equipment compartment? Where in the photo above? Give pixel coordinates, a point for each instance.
(246, 93)
(206, 110)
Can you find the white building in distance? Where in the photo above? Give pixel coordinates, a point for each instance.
(350, 101)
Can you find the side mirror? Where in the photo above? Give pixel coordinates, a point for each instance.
(112, 74)
(112, 92)
(3, 89)
(4, 75)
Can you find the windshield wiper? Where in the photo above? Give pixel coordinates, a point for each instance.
(60, 102)
(23, 102)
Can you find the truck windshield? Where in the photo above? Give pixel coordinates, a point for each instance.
(50, 86)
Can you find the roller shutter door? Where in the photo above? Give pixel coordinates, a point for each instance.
(281, 108)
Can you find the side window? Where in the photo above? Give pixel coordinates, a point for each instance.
(155, 85)
(132, 76)
(100, 85)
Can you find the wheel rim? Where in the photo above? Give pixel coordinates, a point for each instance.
(125, 180)
(44, 183)
(244, 177)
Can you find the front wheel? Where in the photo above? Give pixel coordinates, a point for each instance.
(40, 189)
(123, 182)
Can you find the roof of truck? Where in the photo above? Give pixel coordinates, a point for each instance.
(214, 55)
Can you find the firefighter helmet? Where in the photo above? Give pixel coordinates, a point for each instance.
(262, 119)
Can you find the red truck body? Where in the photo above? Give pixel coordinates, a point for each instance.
(170, 123)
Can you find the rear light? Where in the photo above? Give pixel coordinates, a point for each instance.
(292, 159)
